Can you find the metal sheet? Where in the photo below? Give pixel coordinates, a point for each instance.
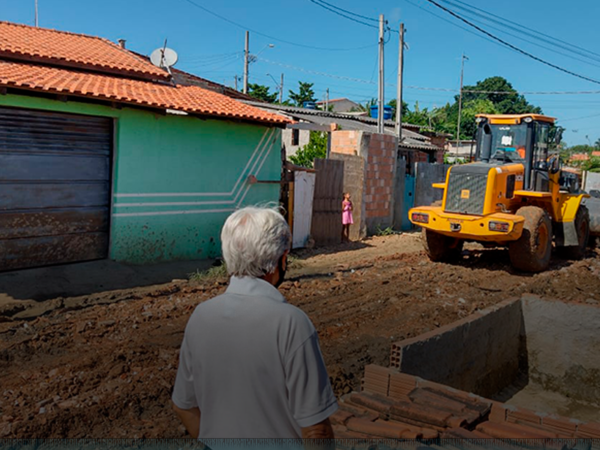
(48, 250)
(54, 187)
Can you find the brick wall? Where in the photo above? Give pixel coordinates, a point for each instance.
(379, 153)
(379, 181)
(345, 142)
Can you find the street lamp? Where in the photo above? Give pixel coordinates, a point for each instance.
(253, 58)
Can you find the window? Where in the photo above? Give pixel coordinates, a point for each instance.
(295, 137)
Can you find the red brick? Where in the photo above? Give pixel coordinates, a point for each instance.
(420, 413)
(340, 417)
(379, 429)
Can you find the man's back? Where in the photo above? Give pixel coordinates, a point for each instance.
(252, 364)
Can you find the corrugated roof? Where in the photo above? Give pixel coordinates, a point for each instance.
(410, 139)
(190, 99)
(64, 49)
(318, 112)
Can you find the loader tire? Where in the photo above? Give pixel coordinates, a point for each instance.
(582, 225)
(532, 251)
(441, 248)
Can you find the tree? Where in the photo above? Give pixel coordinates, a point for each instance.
(393, 103)
(493, 90)
(316, 148)
(261, 92)
(305, 94)
(597, 143)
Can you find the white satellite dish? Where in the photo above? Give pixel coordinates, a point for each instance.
(163, 57)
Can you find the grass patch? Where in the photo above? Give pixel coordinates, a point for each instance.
(385, 232)
(209, 276)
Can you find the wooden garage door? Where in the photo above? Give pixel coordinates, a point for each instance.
(54, 188)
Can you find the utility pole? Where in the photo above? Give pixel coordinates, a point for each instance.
(281, 90)
(327, 100)
(400, 77)
(462, 70)
(381, 79)
(235, 78)
(246, 58)
(36, 13)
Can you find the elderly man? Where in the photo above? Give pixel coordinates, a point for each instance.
(250, 363)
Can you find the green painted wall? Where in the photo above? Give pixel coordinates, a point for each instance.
(177, 178)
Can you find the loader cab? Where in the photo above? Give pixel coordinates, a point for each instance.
(522, 139)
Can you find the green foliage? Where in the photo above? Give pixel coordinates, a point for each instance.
(305, 94)
(316, 148)
(209, 276)
(512, 103)
(393, 103)
(385, 232)
(592, 164)
(261, 92)
(454, 161)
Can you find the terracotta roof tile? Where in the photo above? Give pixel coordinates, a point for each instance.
(61, 48)
(190, 99)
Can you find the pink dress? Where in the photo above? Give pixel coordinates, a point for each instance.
(347, 213)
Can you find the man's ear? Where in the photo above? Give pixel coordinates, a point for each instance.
(284, 260)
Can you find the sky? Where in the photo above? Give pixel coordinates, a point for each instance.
(313, 44)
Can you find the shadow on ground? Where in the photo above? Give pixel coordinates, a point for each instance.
(343, 247)
(73, 280)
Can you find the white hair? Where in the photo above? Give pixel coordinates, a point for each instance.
(253, 240)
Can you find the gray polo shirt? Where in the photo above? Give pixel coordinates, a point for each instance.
(251, 362)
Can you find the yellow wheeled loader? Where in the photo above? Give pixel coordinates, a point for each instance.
(513, 195)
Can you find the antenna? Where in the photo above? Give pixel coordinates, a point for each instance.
(164, 57)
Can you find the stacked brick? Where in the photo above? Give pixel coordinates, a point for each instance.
(345, 142)
(394, 405)
(379, 179)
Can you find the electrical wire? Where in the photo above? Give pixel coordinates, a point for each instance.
(421, 88)
(523, 29)
(333, 10)
(543, 46)
(191, 2)
(514, 47)
(453, 23)
(349, 15)
(349, 12)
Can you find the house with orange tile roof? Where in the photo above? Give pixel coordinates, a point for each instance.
(104, 155)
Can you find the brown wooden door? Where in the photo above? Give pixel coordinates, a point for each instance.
(326, 226)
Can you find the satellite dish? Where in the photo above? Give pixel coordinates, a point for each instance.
(163, 57)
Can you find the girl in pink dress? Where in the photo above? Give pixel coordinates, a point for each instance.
(346, 217)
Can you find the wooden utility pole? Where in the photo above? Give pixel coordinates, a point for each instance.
(462, 70)
(399, 91)
(281, 90)
(246, 58)
(235, 77)
(381, 93)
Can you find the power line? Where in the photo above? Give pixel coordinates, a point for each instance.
(349, 15)
(453, 23)
(514, 47)
(579, 118)
(191, 2)
(421, 88)
(471, 13)
(523, 29)
(335, 11)
(349, 12)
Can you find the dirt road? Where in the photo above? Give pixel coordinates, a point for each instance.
(104, 365)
